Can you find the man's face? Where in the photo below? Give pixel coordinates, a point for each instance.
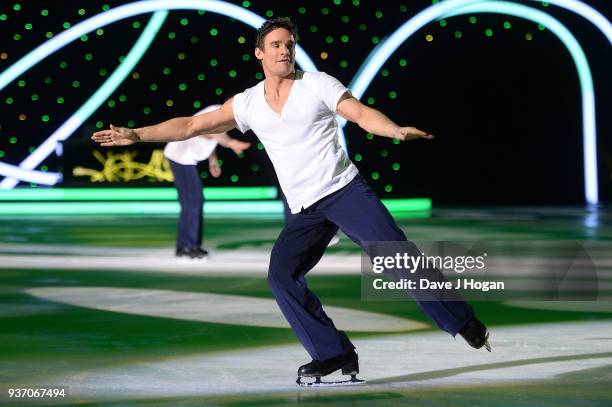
(278, 54)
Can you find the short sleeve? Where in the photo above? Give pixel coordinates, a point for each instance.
(330, 90)
(239, 109)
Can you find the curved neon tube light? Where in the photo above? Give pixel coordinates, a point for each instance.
(381, 53)
(79, 117)
(130, 10)
(116, 14)
(586, 11)
(38, 177)
(589, 138)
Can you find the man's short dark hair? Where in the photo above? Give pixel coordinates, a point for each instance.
(273, 24)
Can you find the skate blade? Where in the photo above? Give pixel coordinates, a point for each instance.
(487, 345)
(319, 383)
(192, 260)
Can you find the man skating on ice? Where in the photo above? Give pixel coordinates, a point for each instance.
(293, 114)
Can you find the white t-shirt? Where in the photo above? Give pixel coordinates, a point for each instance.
(302, 141)
(193, 150)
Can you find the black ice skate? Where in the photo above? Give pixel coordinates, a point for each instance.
(348, 362)
(476, 334)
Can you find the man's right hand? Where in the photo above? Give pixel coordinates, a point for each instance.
(115, 136)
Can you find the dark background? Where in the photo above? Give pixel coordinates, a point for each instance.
(506, 111)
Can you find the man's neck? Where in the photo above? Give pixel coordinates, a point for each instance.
(276, 84)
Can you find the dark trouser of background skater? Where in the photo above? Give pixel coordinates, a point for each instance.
(190, 226)
(360, 214)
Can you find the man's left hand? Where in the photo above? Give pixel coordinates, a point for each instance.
(411, 133)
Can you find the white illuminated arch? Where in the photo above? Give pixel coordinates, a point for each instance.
(13, 172)
(385, 49)
(93, 23)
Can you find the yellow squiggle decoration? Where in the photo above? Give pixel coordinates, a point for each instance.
(122, 167)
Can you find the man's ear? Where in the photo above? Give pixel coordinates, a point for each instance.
(259, 53)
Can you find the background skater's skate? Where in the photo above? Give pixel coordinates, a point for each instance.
(316, 369)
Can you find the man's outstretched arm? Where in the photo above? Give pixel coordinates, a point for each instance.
(177, 129)
(373, 121)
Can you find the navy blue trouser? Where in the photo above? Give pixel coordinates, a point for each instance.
(360, 214)
(189, 186)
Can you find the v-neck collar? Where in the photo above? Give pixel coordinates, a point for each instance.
(295, 78)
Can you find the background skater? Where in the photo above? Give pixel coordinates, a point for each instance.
(184, 157)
